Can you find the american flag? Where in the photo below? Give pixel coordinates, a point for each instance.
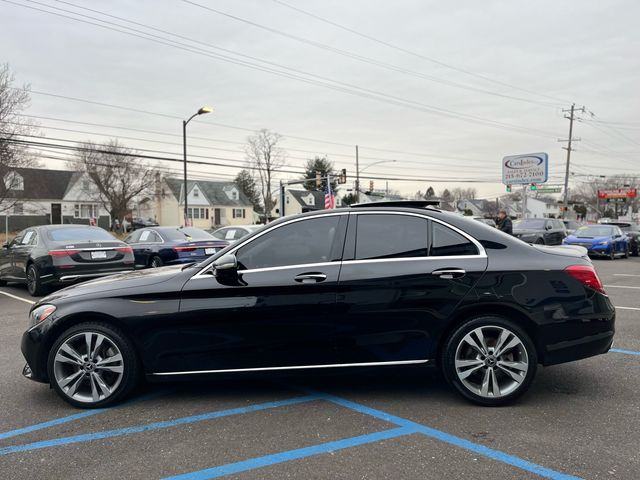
(329, 197)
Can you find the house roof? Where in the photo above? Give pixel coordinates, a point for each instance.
(212, 190)
(39, 184)
(317, 195)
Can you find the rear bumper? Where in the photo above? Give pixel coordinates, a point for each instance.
(585, 347)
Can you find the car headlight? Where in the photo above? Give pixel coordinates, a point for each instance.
(40, 314)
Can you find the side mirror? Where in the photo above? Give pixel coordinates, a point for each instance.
(226, 263)
(548, 227)
(5, 245)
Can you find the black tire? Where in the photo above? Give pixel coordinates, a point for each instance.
(131, 365)
(155, 262)
(612, 254)
(626, 252)
(489, 323)
(34, 282)
(539, 241)
(3, 283)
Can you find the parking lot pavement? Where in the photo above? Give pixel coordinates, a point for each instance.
(579, 419)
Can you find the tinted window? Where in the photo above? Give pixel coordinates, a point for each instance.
(79, 234)
(134, 237)
(391, 236)
(530, 223)
(447, 242)
(307, 241)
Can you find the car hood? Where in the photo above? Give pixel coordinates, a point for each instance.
(129, 281)
(574, 239)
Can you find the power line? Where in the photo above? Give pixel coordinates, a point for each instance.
(306, 77)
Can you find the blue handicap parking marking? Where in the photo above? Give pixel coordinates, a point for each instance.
(627, 352)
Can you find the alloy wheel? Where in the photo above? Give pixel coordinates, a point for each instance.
(88, 367)
(491, 361)
(31, 280)
(156, 262)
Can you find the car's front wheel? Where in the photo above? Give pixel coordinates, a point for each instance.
(489, 360)
(93, 365)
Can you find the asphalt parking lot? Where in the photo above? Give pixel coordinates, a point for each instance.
(579, 420)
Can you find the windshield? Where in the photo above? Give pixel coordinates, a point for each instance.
(186, 234)
(530, 223)
(594, 231)
(79, 234)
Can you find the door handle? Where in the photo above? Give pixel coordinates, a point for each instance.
(310, 277)
(449, 273)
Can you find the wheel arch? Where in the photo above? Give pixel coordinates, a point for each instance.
(506, 311)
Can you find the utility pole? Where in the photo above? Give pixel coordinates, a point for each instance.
(524, 201)
(357, 177)
(568, 148)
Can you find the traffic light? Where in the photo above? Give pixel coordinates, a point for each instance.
(371, 185)
(318, 179)
(534, 187)
(342, 178)
(508, 188)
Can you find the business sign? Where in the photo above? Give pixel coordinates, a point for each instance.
(626, 192)
(523, 169)
(550, 190)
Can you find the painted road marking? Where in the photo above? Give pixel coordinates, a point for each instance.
(259, 462)
(628, 308)
(625, 275)
(30, 302)
(621, 286)
(627, 352)
(77, 416)
(153, 426)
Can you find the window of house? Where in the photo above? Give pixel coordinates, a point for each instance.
(18, 208)
(198, 213)
(85, 210)
(196, 193)
(13, 181)
(311, 200)
(238, 213)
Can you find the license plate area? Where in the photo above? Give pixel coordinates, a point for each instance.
(99, 255)
(209, 251)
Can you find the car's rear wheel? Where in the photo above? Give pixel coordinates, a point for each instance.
(539, 241)
(155, 262)
(34, 282)
(93, 365)
(489, 360)
(612, 253)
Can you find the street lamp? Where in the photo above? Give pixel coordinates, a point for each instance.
(358, 172)
(202, 111)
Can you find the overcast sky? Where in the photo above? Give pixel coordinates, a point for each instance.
(468, 83)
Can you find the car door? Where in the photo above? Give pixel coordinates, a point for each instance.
(6, 263)
(134, 241)
(278, 311)
(21, 251)
(402, 277)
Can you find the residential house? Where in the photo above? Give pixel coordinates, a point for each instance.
(36, 196)
(210, 204)
(536, 208)
(300, 201)
(482, 208)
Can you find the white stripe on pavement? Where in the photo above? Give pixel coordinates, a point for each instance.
(621, 286)
(628, 308)
(625, 275)
(30, 302)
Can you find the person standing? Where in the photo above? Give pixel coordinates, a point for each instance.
(504, 223)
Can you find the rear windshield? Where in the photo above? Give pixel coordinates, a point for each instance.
(187, 234)
(530, 223)
(79, 234)
(594, 231)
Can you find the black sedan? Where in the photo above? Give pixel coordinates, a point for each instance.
(360, 288)
(541, 231)
(159, 246)
(60, 254)
(632, 231)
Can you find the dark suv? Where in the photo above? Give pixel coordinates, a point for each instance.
(541, 231)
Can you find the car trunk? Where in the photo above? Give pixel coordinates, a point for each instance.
(90, 258)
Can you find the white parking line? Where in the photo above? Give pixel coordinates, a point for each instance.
(628, 308)
(621, 286)
(625, 275)
(30, 302)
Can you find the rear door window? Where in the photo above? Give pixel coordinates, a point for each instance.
(447, 242)
(391, 236)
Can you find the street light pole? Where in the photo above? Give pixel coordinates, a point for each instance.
(201, 111)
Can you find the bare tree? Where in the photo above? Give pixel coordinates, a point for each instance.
(118, 175)
(459, 193)
(265, 158)
(13, 154)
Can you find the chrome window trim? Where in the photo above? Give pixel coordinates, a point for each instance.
(202, 273)
(293, 367)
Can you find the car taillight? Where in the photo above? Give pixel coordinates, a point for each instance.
(63, 253)
(124, 249)
(184, 249)
(586, 275)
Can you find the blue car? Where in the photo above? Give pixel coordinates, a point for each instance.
(601, 240)
(158, 246)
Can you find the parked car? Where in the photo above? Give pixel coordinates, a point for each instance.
(158, 246)
(234, 233)
(601, 240)
(571, 226)
(50, 255)
(489, 221)
(138, 223)
(542, 231)
(362, 287)
(632, 231)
